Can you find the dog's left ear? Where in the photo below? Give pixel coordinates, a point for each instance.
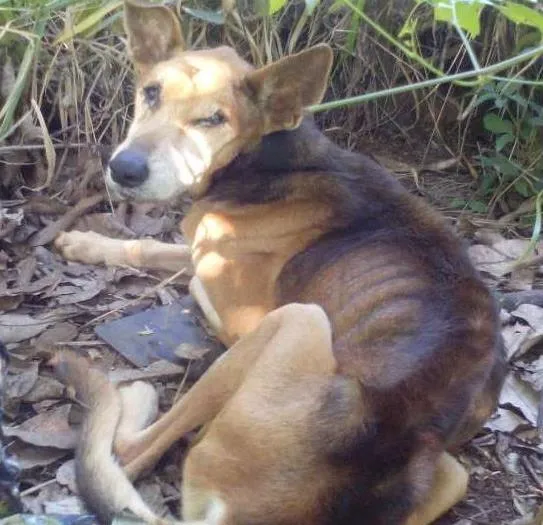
(283, 89)
(154, 32)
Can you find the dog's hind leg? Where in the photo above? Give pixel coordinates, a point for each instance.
(308, 324)
(448, 487)
(93, 248)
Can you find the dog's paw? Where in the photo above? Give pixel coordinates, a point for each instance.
(85, 247)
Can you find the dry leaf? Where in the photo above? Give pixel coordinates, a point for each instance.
(26, 269)
(66, 475)
(60, 332)
(18, 327)
(105, 224)
(532, 314)
(20, 381)
(498, 259)
(487, 260)
(504, 421)
(522, 396)
(190, 352)
(30, 456)
(50, 429)
(88, 291)
(533, 373)
(45, 388)
(514, 337)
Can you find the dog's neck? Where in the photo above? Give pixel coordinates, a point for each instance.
(265, 174)
(304, 164)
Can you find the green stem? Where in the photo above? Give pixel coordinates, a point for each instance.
(482, 75)
(465, 41)
(396, 43)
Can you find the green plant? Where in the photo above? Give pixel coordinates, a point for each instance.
(514, 120)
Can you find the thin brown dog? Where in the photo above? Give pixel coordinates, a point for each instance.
(364, 346)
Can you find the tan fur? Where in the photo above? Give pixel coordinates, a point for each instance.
(107, 490)
(286, 410)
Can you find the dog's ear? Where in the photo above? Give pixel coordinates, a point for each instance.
(283, 89)
(154, 32)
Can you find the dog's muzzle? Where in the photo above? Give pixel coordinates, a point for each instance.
(129, 168)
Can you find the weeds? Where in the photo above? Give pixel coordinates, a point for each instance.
(514, 161)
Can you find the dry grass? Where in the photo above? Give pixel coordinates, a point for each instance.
(82, 86)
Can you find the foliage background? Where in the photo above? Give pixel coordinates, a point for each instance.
(65, 83)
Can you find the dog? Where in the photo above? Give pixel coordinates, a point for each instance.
(363, 346)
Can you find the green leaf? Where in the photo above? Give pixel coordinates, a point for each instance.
(504, 140)
(468, 14)
(522, 188)
(522, 14)
(526, 131)
(477, 206)
(458, 203)
(484, 97)
(495, 124)
(519, 100)
(506, 167)
(275, 5)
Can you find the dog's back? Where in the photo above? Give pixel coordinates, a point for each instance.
(412, 321)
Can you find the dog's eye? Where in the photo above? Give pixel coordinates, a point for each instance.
(151, 94)
(216, 119)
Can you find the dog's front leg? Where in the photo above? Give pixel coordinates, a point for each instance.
(200, 295)
(93, 248)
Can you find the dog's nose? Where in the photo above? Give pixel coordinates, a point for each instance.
(129, 168)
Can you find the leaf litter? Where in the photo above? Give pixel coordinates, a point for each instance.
(47, 303)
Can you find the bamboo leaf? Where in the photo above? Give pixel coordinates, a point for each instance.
(88, 22)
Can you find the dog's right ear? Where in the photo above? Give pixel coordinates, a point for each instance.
(154, 32)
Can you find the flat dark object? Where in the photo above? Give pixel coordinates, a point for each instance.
(158, 333)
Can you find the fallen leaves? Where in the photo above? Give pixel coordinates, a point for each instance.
(47, 303)
(49, 429)
(18, 327)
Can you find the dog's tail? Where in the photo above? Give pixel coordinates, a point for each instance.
(102, 483)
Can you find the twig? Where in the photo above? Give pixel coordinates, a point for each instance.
(51, 230)
(28, 147)
(182, 384)
(80, 343)
(530, 469)
(537, 260)
(35, 488)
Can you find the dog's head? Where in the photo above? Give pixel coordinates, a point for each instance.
(195, 111)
